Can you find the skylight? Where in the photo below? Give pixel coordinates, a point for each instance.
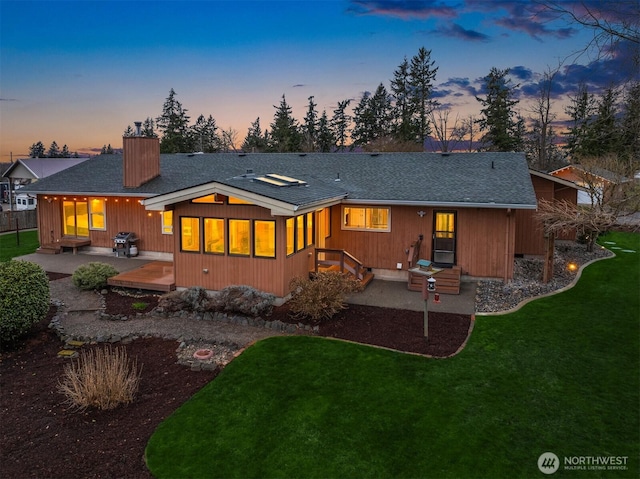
(280, 180)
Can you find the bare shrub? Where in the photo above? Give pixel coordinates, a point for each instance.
(101, 378)
(322, 296)
(244, 300)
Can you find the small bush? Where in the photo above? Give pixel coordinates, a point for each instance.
(101, 378)
(24, 298)
(322, 296)
(244, 300)
(93, 275)
(139, 305)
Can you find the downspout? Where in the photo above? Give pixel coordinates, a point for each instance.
(506, 247)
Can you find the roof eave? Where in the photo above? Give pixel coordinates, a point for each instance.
(444, 204)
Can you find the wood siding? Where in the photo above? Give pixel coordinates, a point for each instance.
(122, 214)
(141, 157)
(529, 231)
(484, 239)
(215, 272)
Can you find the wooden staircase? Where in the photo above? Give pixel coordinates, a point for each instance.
(447, 280)
(340, 261)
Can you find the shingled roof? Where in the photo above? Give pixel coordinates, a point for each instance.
(490, 180)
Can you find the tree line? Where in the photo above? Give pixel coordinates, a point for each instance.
(38, 150)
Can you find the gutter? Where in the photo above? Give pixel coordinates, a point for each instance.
(446, 204)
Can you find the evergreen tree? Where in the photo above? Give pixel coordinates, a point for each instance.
(502, 130)
(310, 127)
(325, 140)
(422, 74)
(54, 151)
(174, 125)
(128, 132)
(109, 149)
(581, 111)
(604, 134)
(630, 126)
(363, 121)
(285, 136)
(340, 124)
(380, 104)
(37, 150)
(65, 153)
(148, 128)
(204, 135)
(255, 141)
(403, 127)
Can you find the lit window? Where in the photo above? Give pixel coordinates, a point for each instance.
(208, 199)
(97, 215)
(264, 238)
(238, 201)
(299, 232)
(239, 237)
(290, 236)
(167, 222)
(309, 229)
(368, 219)
(190, 234)
(214, 235)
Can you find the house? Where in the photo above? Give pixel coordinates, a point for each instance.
(263, 219)
(30, 170)
(592, 182)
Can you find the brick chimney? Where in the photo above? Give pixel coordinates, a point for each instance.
(140, 159)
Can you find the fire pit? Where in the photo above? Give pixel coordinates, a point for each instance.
(203, 354)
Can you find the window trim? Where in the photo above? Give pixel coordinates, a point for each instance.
(199, 236)
(103, 202)
(240, 255)
(365, 208)
(224, 236)
(255, 238)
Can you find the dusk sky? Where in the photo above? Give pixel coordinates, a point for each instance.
(80, 72)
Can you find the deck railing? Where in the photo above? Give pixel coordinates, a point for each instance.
(338, 260)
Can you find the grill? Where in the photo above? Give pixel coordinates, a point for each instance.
(124, 244)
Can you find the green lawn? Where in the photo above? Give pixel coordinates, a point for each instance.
(560, 375)
(9, 247)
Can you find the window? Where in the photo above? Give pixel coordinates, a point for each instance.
(290, 236)
(214, 235)
(309, 229)
(214, 198)
(167, 222)
(299, 232)
(238, 201)
(75, 215)
(239, 237)
(367, 219)
(444, 238)
(264, 238)
(97, 214)
(189, 234)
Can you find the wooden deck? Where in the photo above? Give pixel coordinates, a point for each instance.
(154, 276)
(58, 247)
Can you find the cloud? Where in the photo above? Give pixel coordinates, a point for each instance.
(298, 85)
(457, 85)
(456, 31)
(8, 99)
(404, 9)
(521, 73)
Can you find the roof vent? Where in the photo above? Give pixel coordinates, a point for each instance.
(374, 154)
(337, 177)
(302, 154)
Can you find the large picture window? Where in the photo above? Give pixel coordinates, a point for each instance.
(366, 219)
(189, 233)
(264, 237)
(97, 214)
(214, 235)
(239, 243)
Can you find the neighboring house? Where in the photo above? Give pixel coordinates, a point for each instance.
(29, 170)
(263, 219)
(596, 179)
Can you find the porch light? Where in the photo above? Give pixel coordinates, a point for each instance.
(572, 266)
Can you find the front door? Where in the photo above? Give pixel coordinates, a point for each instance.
(444, 238)
(75, 219)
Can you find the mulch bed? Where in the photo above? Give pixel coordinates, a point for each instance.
(41, 437)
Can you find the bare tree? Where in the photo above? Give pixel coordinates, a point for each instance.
(229, 139)
(542, 116)
(468, 129)
(446, 137)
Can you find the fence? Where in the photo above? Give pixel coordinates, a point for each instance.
(10, 220)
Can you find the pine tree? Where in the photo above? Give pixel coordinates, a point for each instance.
(422, 74)
(325, 140)
(54, 151)
(630, 125)
(129, 131)
(204, 135)
(502, 130)
(363, 121)
(605, 134)
(380, 104)
(310, 127)
(37, 150)
(174, 125)
(148, 128)
(65, 153)
(403, 128)
(581, 111)
(340, 124)
(255, 141)
(285, 136)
